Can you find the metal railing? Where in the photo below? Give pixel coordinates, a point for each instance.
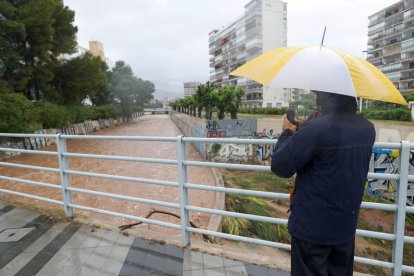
(397, 237)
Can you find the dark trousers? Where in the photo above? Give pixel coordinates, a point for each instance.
(310, 259)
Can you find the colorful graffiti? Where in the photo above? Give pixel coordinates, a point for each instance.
(264, 152)
(230, 152)
(214, 130)
(386, 161)
(244, 153)
(231, 128)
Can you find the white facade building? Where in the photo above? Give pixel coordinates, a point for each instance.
(391, 43)
(263, 27)
(190, 87)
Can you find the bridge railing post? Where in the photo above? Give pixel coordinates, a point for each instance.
(401, 201)
(64, 177)
(182, 179)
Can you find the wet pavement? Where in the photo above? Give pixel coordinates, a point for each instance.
(151, 125)
(71, 248)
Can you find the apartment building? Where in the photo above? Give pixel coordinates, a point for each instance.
(261, 28)
(391, 43)
(95, 49)
(190, 87)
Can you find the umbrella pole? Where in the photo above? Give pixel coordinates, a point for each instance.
(323, 36)
(360, 104)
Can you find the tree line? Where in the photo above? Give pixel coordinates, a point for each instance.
(40, 73)
(208, 98)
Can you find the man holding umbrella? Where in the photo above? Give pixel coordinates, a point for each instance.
(329, 154)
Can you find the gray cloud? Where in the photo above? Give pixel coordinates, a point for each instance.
(166, 41)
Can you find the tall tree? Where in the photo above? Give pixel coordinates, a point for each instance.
(80, 77)
(205, 97)
(221, 102)
(232, 96)
(37, 32)
(128, 91)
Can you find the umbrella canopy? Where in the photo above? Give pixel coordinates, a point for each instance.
(323, 69)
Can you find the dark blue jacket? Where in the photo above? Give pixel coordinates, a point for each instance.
(330, 156)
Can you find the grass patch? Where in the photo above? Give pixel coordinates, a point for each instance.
(236, 226)
(250, 228)
(260, 181)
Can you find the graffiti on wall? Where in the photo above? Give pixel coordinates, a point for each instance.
(264, 152)
(386, 161)
(34, 143)
(243, 153)
(214, 130)
(230, 152)
(231, 128)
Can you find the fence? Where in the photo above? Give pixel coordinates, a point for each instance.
(397, 237)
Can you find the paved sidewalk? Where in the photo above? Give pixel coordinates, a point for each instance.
(34, 245)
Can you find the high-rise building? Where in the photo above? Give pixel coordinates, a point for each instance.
(190, 87)
(96, 49)
(391, 43)
(261, 28)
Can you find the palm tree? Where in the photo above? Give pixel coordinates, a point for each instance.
(232, 96)
(221, 103)
(205, 98)
(192, 105)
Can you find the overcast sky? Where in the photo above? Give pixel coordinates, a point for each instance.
(166, 41)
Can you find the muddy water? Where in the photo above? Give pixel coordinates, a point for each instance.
(150, 125)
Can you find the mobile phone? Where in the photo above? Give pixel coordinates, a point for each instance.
(291, 116)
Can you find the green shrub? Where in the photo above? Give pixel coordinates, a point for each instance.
(266, 110)
(397, 114)
(52, 115)
(79, 114)
(17, 114)
(104, 112)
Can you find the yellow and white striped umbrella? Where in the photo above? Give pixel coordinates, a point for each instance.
(323, 69)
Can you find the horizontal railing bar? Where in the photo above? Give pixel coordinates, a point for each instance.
(123, 197)
(375, 235)
(31, 182)
(237, 191)
(32, 197)
(373, 262)
(409, 209)
(121, 138)
(43, 152)
(30, 167)
(123, 178)
(383, 176)
(239, 238)
(125, 216)
(28, 135)
(409, 269)
(408, 239)
(386, 145)
(230, 140)
(379, 206)
(121, 158)
(237, 215)
(228, 166)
